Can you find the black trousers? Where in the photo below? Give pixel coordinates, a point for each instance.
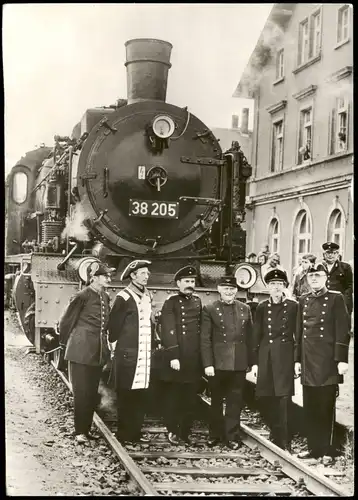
(319, 412)
(276, 411)
(85, 381)
(179, 401)
(228, 385)
(131, 407)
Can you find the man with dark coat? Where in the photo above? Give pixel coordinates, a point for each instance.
(300, 285)
(321, 358)
(226, 351)
(273, 339)
(130, 330)
(83, 333)
(339, 274)
(181, 363)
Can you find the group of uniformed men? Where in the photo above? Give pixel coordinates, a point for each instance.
(308, 338)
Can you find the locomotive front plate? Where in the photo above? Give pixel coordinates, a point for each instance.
(153, 208)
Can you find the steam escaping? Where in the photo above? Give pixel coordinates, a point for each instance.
(75, 227)
(108, 399)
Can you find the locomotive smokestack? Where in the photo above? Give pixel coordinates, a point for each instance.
(245, 121)
(147, 69)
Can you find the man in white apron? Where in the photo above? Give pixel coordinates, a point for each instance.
(130, 329)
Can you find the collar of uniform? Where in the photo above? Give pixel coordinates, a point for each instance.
(282, 301)
(227, 303)
(98, 292)
(137, 290)
(185, 295)
(320, 292)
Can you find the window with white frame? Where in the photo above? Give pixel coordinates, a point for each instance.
(274, 236)
(343, 24)
(303, 42)
(309, 37)
(305, 135)
(339, 125)
(315, 42)
(302, 236)
(335, 230)
(279, 65)
(277, 146)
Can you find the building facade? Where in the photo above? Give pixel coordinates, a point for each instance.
(300, 76)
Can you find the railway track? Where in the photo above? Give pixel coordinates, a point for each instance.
(258, 468)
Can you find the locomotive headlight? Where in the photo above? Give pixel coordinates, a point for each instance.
(163, 126)
(245, 276)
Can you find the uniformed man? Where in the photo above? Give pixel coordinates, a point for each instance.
(339, 274)
(273, 348)
(83, 333)
(321, 355)
(226, 350)
(181, 362)
(130, 332)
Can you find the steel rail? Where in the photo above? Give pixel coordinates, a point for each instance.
(293, 467)
(128, 463)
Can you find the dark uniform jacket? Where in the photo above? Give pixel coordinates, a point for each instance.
(130, 326)
(226, 336)
(273, 350)
(180, 338)
(322, 337)
(340, 278)
(83, 327)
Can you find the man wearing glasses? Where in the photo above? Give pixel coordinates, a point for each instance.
(339, 274)
(273, 339)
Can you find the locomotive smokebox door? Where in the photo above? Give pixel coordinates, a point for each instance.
(133, 193)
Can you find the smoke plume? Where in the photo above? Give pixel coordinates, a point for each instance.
(75, 227)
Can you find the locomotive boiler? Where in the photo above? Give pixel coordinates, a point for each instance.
(139, 179)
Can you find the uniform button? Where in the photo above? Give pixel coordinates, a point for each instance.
(306, 305)
(269, 312)
(220, 314)
(322, 319)
(269, 326)
(269, 319)
(305, 321)
(283, 340)
(183, 313)
(183, 333)
(321, 335)
(224, 334)
(324, 305)
(270, 333)
(304, 314)
(270, 341)
(305, 336)
(326, 298)
(321, 328)
(305, 328)
(323, 312)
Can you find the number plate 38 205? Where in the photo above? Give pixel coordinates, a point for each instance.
(154, 209)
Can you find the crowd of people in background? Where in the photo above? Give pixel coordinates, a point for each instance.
(340, 274)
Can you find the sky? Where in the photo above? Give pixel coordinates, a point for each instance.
(61, 59)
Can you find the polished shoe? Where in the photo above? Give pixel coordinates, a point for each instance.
(144, 438)
(213, 442)
(91, 436)
(81, 439)
(173, 438)
(188, 439)
(234, 445)
(307, 454)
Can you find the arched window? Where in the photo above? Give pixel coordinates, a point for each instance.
(302, 236)
(274, 236)
(335, 229)
(19, 187)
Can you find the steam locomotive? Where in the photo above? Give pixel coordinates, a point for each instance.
(138, 179)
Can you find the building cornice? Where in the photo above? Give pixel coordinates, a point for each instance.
(341, 73)
(308, 190)
(278, 106)
(302, 94)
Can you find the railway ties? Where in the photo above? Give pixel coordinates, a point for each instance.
(257, 468)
